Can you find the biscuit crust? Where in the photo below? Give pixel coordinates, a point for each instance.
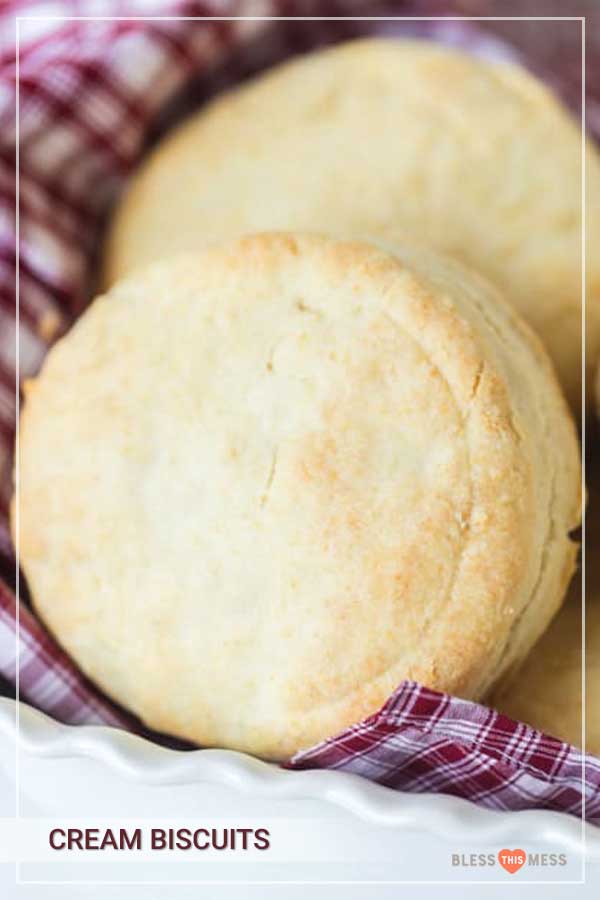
(546, 691)
(373, 137)
(288, 473)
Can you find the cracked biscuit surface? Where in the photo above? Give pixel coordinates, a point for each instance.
(289, 473)
(373, 137)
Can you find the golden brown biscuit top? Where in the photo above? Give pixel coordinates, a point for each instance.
(289, 473)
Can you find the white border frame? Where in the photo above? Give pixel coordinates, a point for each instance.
(60, 18)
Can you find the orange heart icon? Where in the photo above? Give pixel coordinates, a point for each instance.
(512, 860)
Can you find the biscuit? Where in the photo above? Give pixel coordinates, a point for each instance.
(262, 484)
(372, 137)
(546, 691)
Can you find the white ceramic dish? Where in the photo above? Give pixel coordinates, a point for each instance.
(328, 827)
(133, 761)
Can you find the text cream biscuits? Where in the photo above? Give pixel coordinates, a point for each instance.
(263, 483)
(371, 137)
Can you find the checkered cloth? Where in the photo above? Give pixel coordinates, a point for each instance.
(92, 94)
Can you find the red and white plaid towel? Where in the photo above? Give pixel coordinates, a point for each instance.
(91, 94)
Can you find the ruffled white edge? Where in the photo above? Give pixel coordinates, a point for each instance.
(137, 759)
